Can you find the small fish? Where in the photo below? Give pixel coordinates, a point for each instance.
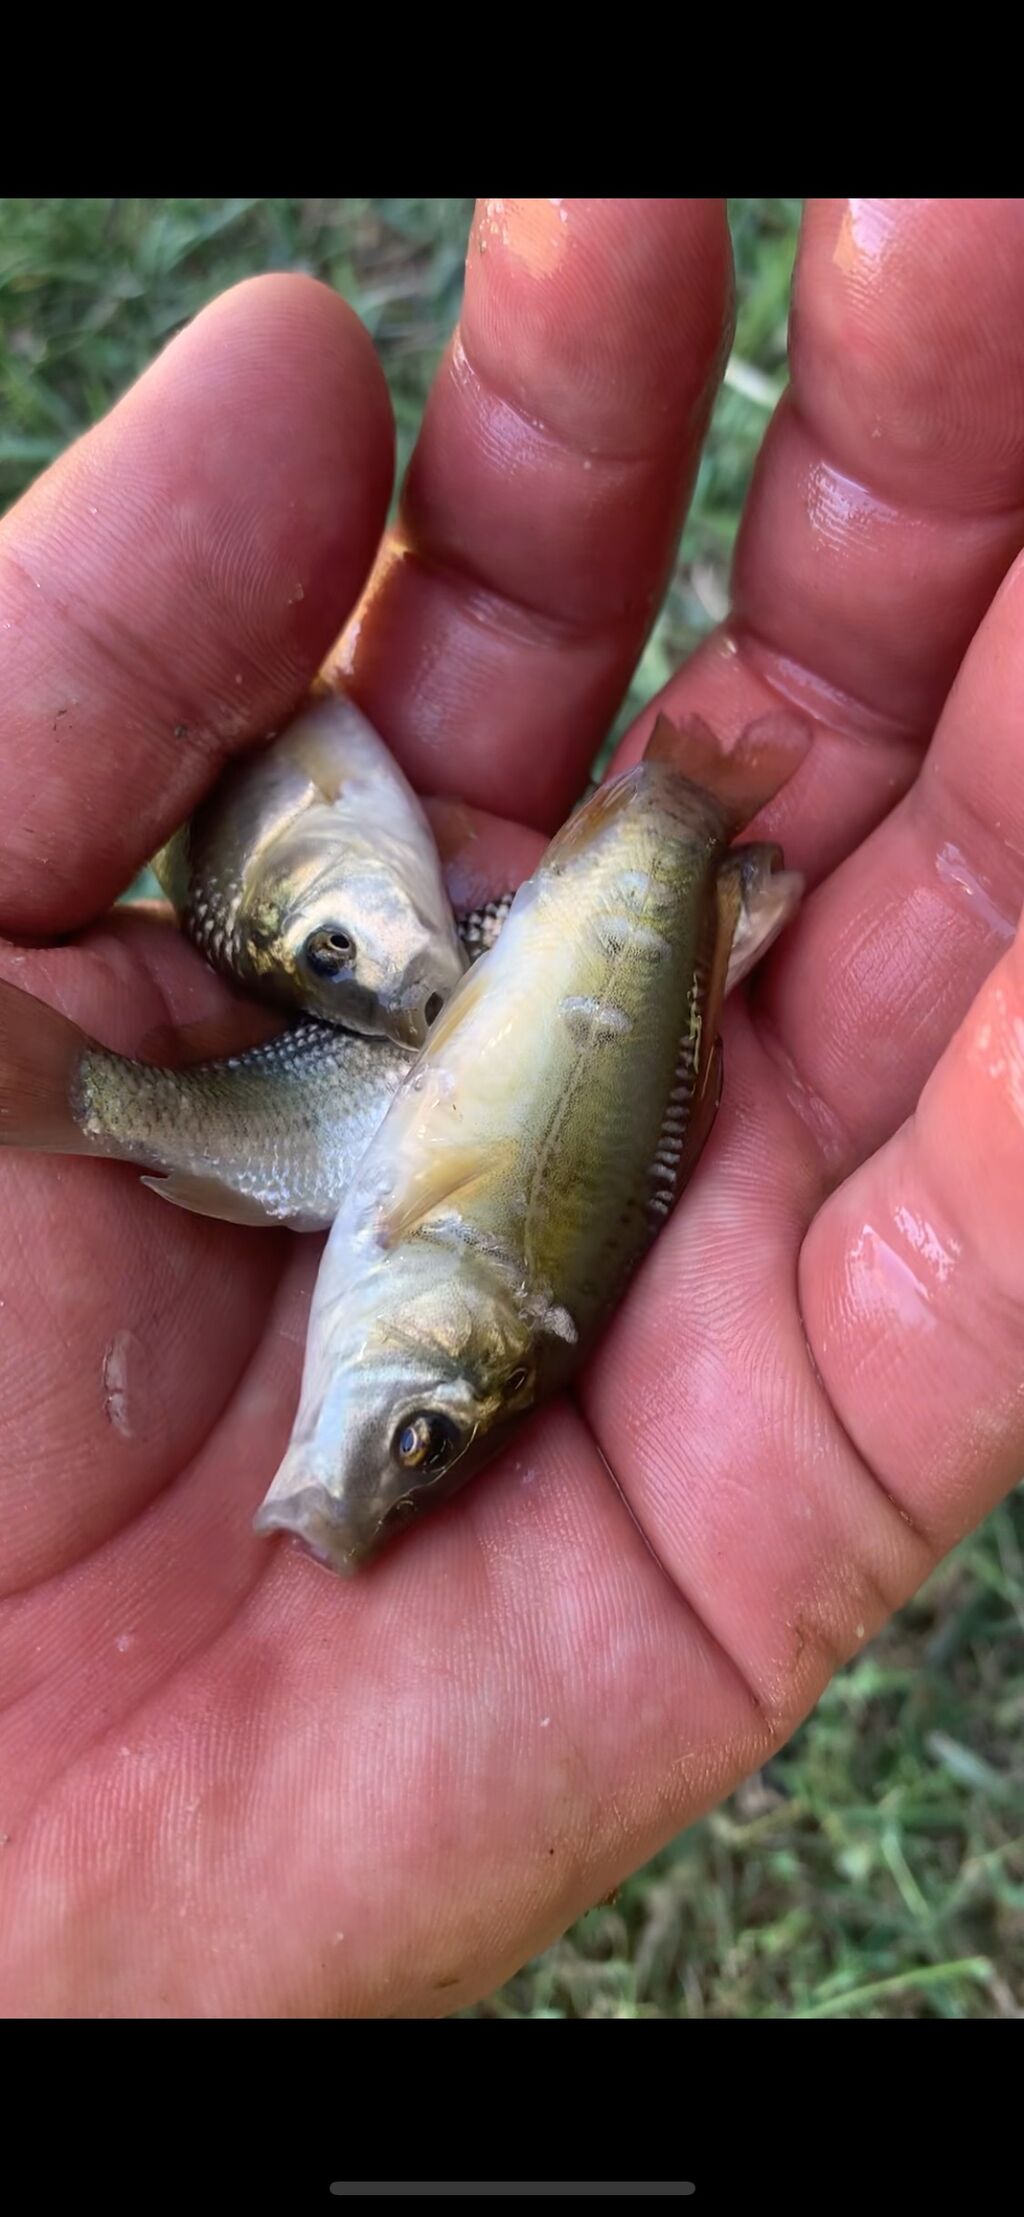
(271, 1136)
(525, 1164)
(310, 875)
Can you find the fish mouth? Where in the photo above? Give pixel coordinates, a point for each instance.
(308, 1516)
(407, 1027)
(411, 1026)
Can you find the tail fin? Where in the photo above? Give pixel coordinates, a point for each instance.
(40, 1051)
(743, 775)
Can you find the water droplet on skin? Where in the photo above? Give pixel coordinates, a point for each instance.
(345, 652)
(535, 231)
(954, 869)
(925, 1240)
(544, 1723)
(882, 1278)
(866, 235)
(840, 508)
(997, 1047)
(123, 1642)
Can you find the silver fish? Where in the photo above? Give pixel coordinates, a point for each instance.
(310, 875)
(526, 1162)
(271, 1136)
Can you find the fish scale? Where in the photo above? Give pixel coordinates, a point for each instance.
(281, 1127)
(269, 1136)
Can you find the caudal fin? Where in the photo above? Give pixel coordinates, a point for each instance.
(743, 774)
(39, 1053)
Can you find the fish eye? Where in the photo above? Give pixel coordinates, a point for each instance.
(433, 1007)
(426, 1442)
(515, 1383)
(330, 951)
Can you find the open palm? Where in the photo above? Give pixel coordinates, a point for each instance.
(229, 1783)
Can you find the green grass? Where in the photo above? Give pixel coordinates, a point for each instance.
(877, 1867)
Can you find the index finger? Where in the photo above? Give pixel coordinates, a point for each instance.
(170, 586)
(545, 497)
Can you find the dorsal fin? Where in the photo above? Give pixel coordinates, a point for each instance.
(757, 898)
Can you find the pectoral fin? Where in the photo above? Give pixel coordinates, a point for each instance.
(444, 1179)
(205, 1197)
(761, 898)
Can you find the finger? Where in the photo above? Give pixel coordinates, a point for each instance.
(887, 504)
(483, 856)
(892, 949)
(912, 1280)
(171, 584)
(120, 1344)
(545, 496)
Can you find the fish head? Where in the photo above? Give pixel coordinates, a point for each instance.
(359, 937)
(405, 1398)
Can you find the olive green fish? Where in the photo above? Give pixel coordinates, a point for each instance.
(526, 1162)
(310, 875)
(271, 1136)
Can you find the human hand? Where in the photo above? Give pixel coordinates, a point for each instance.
(229, 1783)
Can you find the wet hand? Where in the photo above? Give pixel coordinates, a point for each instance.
(230, 1784)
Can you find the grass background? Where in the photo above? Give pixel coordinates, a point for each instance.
(877, 1867)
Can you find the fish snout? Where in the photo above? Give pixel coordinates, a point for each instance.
(409, 1026)
(311, 1517)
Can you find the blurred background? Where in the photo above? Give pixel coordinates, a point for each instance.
(876, 1868)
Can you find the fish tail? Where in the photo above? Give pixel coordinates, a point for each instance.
(743, 775)
(40, 1052)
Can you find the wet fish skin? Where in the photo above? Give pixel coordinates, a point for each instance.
(271, 1136)
(524, 1167)
(311, 877)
